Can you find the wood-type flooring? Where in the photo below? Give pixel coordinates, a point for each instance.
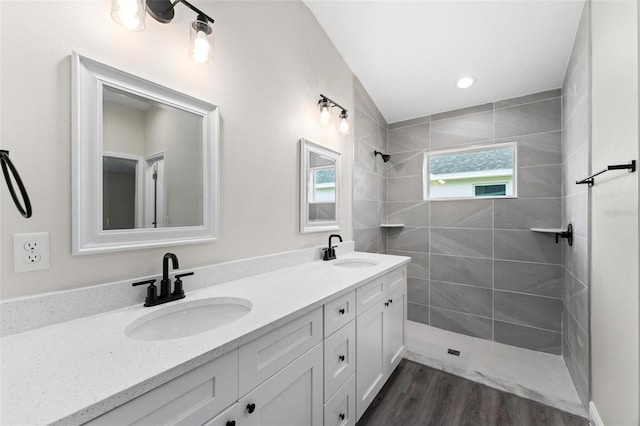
(417, 395)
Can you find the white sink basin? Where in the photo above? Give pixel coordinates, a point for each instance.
(187, 319)
(354, 263)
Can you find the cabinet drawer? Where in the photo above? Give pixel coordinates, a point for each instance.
(226, 418)
(369, 294)
(338, 312)
(265, 356)
(340, 410)
(339, 358)
(193, 398)
(395, 279)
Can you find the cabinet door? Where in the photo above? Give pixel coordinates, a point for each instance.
(228, 417)
(394, 329)
(291, 397)
(370, 360)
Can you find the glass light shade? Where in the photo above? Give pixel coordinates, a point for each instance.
(466, 82)
(201, 41)
(129, 13)
(344, 124)
(325, 113)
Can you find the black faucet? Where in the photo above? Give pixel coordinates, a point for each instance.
(165, 295)
(329, 253)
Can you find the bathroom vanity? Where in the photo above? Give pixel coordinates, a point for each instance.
(317, 344)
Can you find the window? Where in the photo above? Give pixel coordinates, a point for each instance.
(478, 172)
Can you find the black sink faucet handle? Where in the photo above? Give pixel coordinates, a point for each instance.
(177, 285)
(152, 294)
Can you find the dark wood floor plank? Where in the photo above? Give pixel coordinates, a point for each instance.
(417, 395)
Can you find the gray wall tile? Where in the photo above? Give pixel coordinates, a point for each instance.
(578, 343)
(526, 246)
(576, 212)
(365, 185)
(527, 337)
(576, 258)
(419, 265)
(365, 128)
(540, 181)
(382, 138)
(462, 111)
(462, 214)
(365, 214)
(537, 117)
(363, 157)
(363, 101)
(554, 93)
(410, 213)
(411, 138)
(462, 130)
(576, 129)
(579, 380)
(404, 188)
(462, 270)
(405, 164)
(418, 313)
(576, 299)
(462, 298)
(528, 213)
(538, 149)
(532, 278)
(576, 168)
(409, 238)
(411, 122)
(461, 323)
(462, 242)
(525, 309)
(418, 291)
(366, 239)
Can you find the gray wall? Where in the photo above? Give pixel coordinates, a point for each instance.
(575, 209)
(369, 173)
(477, 269)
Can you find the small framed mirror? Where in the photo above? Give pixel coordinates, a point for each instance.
(144, 162)
(319, 188)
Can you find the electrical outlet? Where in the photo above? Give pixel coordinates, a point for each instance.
(30, 251)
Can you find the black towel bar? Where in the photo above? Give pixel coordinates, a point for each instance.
(590, 180)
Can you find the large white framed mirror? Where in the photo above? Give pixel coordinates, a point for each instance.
(145, 162)
(319, 188)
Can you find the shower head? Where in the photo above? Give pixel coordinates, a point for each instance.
(385, 157)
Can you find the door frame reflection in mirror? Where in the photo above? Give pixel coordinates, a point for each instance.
(89, 77)
(306, 148)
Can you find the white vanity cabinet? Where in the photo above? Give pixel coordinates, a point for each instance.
(380, 331)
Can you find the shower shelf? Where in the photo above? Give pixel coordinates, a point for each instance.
(559, 233)
(392, 225)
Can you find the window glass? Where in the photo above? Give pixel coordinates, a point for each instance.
(487, 171)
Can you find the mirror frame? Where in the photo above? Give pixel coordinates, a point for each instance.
(88, 237)
(306, 147)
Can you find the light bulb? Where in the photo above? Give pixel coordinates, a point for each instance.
(129, 13)
(344, 124)
(201, 48)
(466, 82)
(325, 114)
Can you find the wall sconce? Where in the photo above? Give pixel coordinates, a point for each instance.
(131, 14)
(324, 106)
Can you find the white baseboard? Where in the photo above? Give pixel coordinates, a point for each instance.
(594, 417)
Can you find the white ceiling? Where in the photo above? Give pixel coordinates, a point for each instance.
(408, 54)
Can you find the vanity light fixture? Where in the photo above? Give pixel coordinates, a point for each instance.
(131, 13)
(465, 82)
(324, 106)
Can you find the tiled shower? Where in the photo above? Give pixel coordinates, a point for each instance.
(477, 268)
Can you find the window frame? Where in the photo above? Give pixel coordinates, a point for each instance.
(426, 177)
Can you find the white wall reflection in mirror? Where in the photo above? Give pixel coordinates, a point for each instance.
(145, 162)
(319, 187)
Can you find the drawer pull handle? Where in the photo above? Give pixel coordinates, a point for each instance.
(341, 416)
(231, 423)
(342, 311)
(386, 303)
(390, 300)
(251, 408)
(341, 357)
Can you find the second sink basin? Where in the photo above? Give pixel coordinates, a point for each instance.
(187, 319)
(354, 263)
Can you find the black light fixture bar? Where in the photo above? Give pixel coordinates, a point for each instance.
(332, 103)
(163, 10)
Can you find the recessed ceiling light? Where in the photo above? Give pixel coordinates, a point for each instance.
(465, 82)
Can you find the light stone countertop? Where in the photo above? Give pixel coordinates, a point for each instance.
(72, 372)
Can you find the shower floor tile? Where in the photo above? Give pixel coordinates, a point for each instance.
(533, 375)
